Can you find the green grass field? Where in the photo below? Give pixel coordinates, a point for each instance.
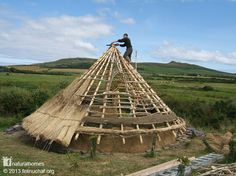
(74, 164)
(33, 81)
(179, 89)
(193, 90)
(49, 84)
(175, 88)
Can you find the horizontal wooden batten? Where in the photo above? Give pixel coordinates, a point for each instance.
(157, 119)
(103, 131)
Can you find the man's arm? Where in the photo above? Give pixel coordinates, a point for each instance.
(120, 41)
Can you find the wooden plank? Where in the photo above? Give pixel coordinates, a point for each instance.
(158, 168)
(116, 93)
(159, 137)
(122, 129)
(155, 169)
(116, 107)
(140, 137)
(120, 116)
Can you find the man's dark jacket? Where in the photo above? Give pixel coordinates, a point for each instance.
(126, 41)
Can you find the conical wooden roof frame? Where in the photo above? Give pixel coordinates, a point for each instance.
(110, 98)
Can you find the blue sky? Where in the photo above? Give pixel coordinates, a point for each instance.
(194, 31)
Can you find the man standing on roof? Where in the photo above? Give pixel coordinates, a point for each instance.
(126, 43)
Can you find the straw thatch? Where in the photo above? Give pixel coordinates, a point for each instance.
(111, 98)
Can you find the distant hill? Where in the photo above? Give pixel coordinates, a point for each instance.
(177, 68)
(172, 68)
(80, 63)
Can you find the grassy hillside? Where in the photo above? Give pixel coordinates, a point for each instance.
(176, 68)
(80, 63)
(172, 68)
(46, 70)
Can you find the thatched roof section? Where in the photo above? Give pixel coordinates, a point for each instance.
(111, 94)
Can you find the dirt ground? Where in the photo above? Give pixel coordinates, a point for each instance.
(70, 164)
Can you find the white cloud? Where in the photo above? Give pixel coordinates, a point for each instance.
(3, 23)
(107, 12)
(122, 19)
(104, 11)
(182, 53)
(53, 37)
(128, 21)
